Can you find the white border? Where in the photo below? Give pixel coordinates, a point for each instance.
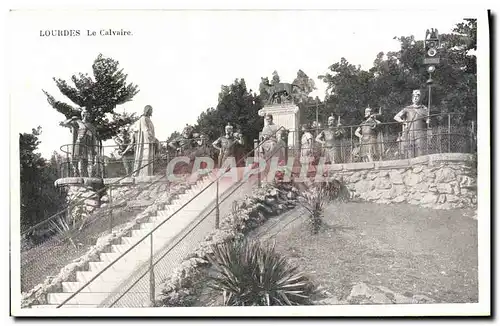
(481, 308)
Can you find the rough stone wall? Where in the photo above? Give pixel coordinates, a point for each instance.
(441, 181)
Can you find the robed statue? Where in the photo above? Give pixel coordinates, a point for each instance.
(144, 143)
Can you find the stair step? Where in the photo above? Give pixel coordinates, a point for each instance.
(96, 286)
(71, 306)
(85, 298)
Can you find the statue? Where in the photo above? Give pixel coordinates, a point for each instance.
(306, 145)
(86, 145)
(369, 137)
(328, 139)
(144, 143)
(226, 144)
(123, 140)
(279, 92)
(184, 142)
(271, 138)
(415, 120)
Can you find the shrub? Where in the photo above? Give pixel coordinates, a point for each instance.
(314, 199)
(252, 274)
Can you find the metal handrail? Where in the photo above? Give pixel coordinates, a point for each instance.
(155, 228)
(82, 200)
(239, 184)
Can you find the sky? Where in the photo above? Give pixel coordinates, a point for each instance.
(180, 59)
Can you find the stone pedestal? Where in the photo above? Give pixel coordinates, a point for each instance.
(285, 115)
(83, 195)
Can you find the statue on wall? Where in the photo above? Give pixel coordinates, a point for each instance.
(415, 120)
(279, 92)
(306, 145)
(272, 141)
(185, 141)
(226, 144)
(369, 135)
(123, 140)
(144, 143)
(329, 139)
(86, 146)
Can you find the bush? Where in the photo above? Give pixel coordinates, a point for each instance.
(252, 274)
(314, 199)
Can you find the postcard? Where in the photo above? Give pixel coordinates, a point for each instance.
(249, 162)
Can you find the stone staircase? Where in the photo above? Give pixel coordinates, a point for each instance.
(113, 278)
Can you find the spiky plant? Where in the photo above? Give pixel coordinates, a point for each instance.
(314, 199)
(251, 274)
(68, 226)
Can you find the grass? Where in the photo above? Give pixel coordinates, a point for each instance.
(408, 249)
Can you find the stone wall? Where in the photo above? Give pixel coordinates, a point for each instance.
(440, 181)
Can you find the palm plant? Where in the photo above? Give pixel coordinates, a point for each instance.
(252, 274)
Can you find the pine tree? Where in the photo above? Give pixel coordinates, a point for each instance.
(98, 95)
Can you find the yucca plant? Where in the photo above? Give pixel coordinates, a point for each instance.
(314, 200)
(68, 226)
(251, 274)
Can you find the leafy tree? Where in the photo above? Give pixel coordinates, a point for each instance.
(98, 95)
(39, 196)
(306, 86)
(389, 83)
(237, 106)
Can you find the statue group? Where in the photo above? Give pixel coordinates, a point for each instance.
(138, 146)
(411, 142)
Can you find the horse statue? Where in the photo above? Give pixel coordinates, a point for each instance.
(280, 91)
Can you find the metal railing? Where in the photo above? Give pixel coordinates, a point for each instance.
(102, 166)
(140, 286)
(56, 241)
(444, 136)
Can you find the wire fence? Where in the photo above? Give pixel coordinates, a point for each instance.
(153, 258)
(388, 142)
(171, 242)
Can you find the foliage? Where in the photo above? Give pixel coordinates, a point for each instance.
(98, 95)
(314, 199)
(306, 85)
(237, 106)
(39, 197)
(252, 274)
(68, 226)
(389, 83)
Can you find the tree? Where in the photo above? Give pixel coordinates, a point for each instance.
(237, 106)
(98, 95)
(39, 196)
(389, 83)
(306, 86)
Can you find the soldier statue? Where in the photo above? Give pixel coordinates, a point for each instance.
(329, 139)
(369, 134)
(226, 144)
(271, 138)
(415, 120)
(123, 140)
(184, 142)
(86, 145)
